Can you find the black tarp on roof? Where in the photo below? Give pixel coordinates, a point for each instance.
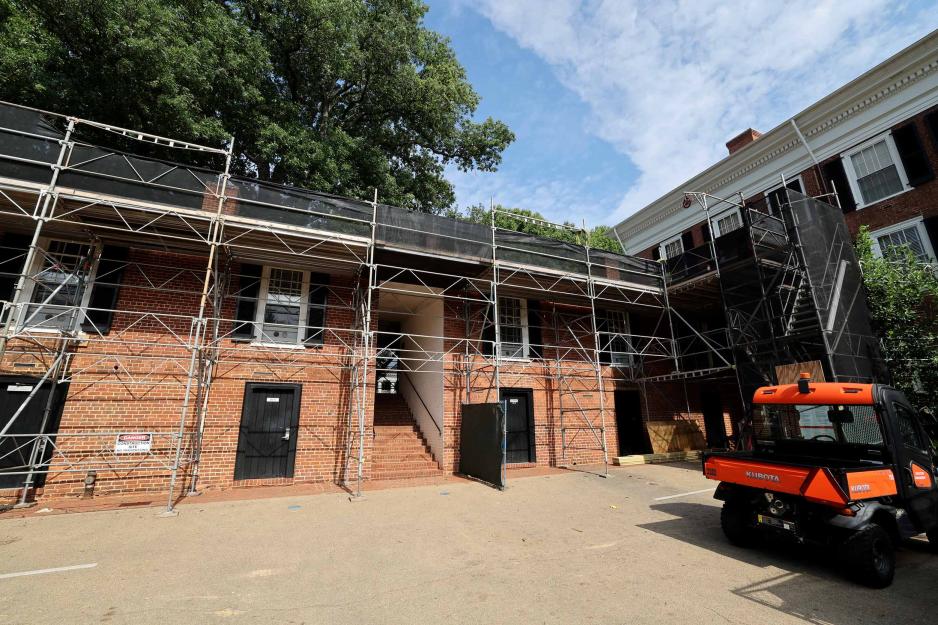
(30, 142)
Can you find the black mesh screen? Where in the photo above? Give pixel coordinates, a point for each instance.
(837, 285)
(482, 443)
(856, 425)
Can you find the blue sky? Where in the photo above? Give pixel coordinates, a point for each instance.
(616, 102)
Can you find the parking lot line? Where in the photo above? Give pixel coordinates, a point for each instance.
(44, 571)
(693, 492)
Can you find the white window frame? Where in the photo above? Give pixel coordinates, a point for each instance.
(262, 308)
(26, 295)
(918, 223)
(847, 160)
(618, 359)
(526, 347)
(716, 221)
(664, 246)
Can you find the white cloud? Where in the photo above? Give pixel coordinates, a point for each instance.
(669, 82)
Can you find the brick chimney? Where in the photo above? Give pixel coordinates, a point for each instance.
(742, 140)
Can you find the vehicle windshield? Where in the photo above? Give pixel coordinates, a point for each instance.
(857, 425)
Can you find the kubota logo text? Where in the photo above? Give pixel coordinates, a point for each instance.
(767, 477)
(861, 488)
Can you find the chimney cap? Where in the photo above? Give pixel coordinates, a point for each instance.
(742, 140)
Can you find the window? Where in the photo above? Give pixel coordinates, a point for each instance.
(672, 248)
(513, 327)
(726, 222)
(797, 422)
(909, 233)
(776, 197)
(908, 429)
(55, 287)
(615, 339)
(875, 171)
(291, 307)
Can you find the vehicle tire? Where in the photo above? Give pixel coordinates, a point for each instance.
(870, 556)
(736, 521)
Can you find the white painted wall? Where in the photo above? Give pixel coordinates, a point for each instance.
(428, 380)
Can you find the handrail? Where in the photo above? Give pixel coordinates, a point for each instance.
(439, 429)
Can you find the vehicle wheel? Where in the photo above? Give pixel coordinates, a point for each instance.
(870, 556)
(736, 521)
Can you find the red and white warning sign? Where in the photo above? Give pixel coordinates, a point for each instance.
(133, 443)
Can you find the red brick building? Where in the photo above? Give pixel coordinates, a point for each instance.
(872, 143)
(169, 328)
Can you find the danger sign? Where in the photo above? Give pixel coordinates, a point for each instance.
(133, 443)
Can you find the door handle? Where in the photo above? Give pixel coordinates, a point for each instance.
(286, 434)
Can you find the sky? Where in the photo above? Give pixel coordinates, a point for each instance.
(614, 103)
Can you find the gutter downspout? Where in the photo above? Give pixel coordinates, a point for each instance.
(804, 142)
(817, 165)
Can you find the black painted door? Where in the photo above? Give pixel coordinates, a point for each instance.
(915, 458)
(17, 445)
(267, 441)
(519, 425)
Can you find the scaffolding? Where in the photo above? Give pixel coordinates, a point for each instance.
(179, 332)
(790, 288)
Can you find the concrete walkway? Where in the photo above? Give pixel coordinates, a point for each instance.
(641, 547)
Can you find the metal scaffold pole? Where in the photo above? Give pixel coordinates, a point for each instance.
(198, 329)
(558, 364)
(366, 345)
(597, 366)
(497, 348)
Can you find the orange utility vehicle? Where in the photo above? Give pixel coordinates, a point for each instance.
(852, 466)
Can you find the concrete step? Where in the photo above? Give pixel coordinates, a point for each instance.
(405, 475)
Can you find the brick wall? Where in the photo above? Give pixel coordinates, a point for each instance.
(921, 201)
(134, 379)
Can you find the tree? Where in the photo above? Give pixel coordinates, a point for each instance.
(533, 223)
(902, 294)
(336, 95)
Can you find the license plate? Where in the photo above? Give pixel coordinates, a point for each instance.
(771, 521)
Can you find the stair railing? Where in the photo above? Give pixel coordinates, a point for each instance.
(439, 428)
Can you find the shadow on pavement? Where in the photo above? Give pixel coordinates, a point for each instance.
(812, 586)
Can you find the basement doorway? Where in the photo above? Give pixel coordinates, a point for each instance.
(267, 439)
(16, 445)
(519, 426)
(711, 405)
(630, 427)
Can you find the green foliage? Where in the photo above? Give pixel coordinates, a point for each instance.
(533, 223)
(902, 294)
(335, 95)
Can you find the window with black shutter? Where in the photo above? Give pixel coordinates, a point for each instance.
(13, 250)
(613, 328)
(316, 309)
(931, 122)
(246, 307)
(912, 154)
(102, 303)
(687, 240)
(835, 178)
